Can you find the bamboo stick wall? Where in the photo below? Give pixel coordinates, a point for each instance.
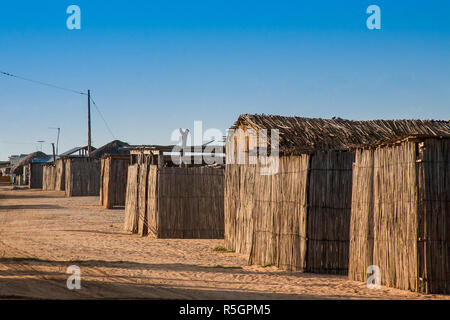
(171, 202)
(35, 170)
(400, 215)
(113, 180)
(152, 198)
(82, 177)
(434, 210)
(296, 219)
(131, 201)
(328, 214)
(60, 184)
(279, 215)
(48, 177)
(239, 182)
(53, 176)
(142, 199)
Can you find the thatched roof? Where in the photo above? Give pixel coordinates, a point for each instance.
(28, 159)
(114, 147)
(300, 135)
(401, 139)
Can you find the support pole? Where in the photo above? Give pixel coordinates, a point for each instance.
(54, 156)
(89, 122)
(57, 141)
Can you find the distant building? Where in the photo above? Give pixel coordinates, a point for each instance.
(4, 168)
(28, 167)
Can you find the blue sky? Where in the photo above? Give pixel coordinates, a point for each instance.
(155, 66)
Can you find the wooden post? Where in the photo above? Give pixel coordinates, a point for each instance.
(54, 156)
(160, 159)
(57, 141)
(89, 122)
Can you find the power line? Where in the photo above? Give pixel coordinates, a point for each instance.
(42, 83)
(101, 115)
(61, 88)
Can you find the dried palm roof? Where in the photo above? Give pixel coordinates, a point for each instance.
(399, 140)
(28, 159)
(300, 135)
(114, 147)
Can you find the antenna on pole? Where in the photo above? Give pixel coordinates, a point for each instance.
(40, 142)
(57, 138)
(89, 122)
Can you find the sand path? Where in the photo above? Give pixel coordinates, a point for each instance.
(43, 233)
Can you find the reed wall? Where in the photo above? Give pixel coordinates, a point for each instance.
(296, 219)
(172, 202)
(53, 176)
(48, 177)
(400, 215)
(82, 177)
(113, 181)
(36, 170)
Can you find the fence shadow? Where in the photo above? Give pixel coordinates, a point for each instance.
(28, 207)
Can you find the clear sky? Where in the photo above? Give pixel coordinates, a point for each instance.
(155, 66)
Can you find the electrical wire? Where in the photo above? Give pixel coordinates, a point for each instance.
(104, 120)
(42, 83)
(61, 88)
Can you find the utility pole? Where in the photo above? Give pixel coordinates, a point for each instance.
(54, 156)
(41, 142)
(57, 141)
(89, 122)
(57, 138)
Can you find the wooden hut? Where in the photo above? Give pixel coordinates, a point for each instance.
(114, 170)
(400, 218)
(28, 170)
(82, 176)
(53, 176)
(173, 201)
(299, 217)
(113, 180)
(54, 172)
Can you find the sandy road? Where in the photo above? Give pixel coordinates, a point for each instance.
(43, 233)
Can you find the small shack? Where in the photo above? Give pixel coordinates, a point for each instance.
(28, 171)
(299, 217)
(113, 180)
(168, 199)
(54, 171)
(82, 176)
(400, 218)
(82, 173)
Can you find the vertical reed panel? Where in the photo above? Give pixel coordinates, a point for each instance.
(434, 208)
(131, 203)
(410, 205)
(190, 202)
(152, 207)
(328, 214)
(142, 199)
(361, 222)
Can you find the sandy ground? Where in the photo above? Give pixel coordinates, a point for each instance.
(43, 233)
